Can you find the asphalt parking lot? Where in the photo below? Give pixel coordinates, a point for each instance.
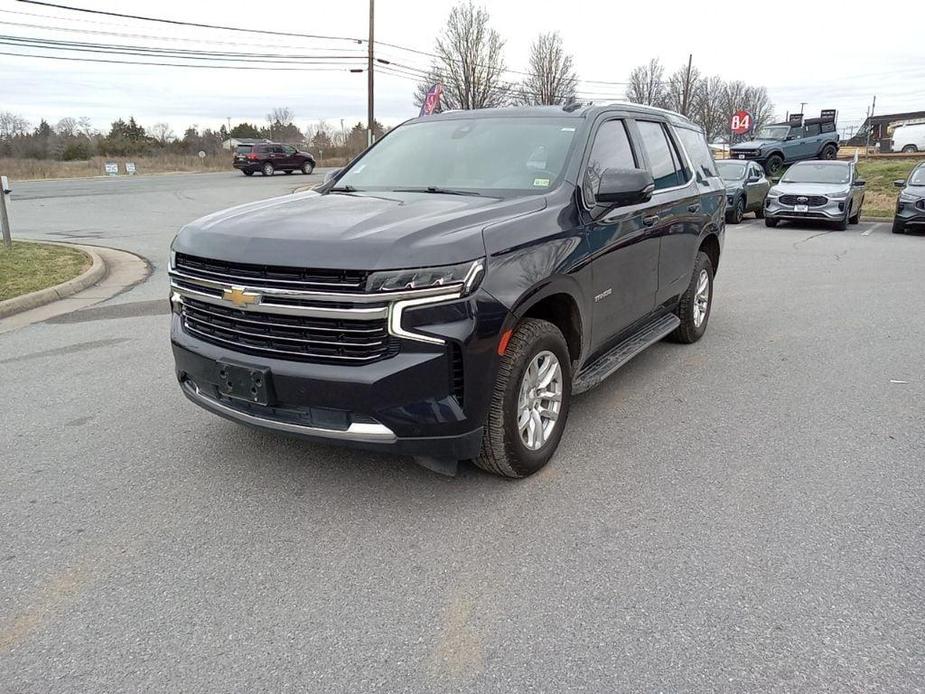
(742, 514)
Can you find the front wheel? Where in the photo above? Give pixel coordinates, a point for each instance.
(307, 168)
(759, 213)
(267, 169)
(768, 222)
(530, 402)
(696, 302)
(774, 166)
(898, 227)
(842, 224)
(247, 173)
(856, 217)
(734, 216)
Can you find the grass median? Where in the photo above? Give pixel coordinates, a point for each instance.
(29, 267)
(879, 174)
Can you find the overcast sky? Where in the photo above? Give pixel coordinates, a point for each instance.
(830, 54)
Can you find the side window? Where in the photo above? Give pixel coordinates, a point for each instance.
(611, 150)
(290, 150)
(663, 160)
(828, 127)
(279, 149)
(812, 130)
(699, 153)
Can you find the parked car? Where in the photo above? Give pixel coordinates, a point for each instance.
(272, 157)
(909, 138)
(828, 191)
(447, 293)
(746, 188)
(779, 144)
(910, 206)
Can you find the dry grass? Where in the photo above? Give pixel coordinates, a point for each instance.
(25, 169)
(33, 266)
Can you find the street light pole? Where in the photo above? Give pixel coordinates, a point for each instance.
(369, 76)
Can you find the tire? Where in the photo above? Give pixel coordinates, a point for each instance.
(734, 216)
(759, 213)
(267, 169)
(248, 173)
(694, 306)
(504, 451)
(828, 152)
(842, 225)
(910, 149)
(768, 222)
(898, 227)
(774, 165)
(307, 168)
(856, 217)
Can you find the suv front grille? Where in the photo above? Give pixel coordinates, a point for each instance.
(271, 276)
(289, 337)
(811, 200)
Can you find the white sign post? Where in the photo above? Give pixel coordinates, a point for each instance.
(4, 217)
(130, 168)
(112, 168)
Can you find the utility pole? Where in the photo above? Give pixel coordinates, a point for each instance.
(4, 217)
(369, 75)
(685, 100)
(870, 125)
(803, 105)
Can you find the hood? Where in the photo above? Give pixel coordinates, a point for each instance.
(362, 231)
(810, 188)
(751, 144)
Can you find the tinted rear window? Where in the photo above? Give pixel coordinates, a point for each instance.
(244, 149)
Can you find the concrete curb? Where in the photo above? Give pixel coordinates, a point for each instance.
(876, 220)
(94, 274)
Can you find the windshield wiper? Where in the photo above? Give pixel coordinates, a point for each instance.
(435, 189)
(344, 189)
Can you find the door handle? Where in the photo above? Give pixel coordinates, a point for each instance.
(651, 220)
(693, 208)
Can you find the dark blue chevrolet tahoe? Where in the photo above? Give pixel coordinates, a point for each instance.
(447, 293)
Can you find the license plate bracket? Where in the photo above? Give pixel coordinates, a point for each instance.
(248, 383)
(801, 208)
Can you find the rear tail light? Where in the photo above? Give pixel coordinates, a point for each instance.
(252, 157)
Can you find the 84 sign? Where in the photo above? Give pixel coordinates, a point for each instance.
(741, 122)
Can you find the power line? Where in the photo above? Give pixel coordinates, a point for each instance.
(198, 25)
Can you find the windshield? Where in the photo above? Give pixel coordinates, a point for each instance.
(730, 170)
(773, 132)
(806, 172)
(918, 177)
(484, 155)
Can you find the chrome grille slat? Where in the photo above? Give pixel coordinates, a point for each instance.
(272, 337)
(266, 276)
(257, 319)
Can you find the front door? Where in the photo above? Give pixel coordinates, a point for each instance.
(623, 243)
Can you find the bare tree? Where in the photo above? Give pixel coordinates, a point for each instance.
(162, 133)
(469, 63)
(85, 127)
(66, 127)
(12, 125)
(282, 115)
(647, 85)
(552, 78)
(677, 89)
(707, 107)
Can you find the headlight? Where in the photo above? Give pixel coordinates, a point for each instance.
(838, 196)
(908, 197)
(464, 276)
(172, 263)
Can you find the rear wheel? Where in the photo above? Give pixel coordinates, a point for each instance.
(898, 227)
(828, 152)
(696, 302)
(530, 402)
(267, 169)
(909, 149)
(307, 168)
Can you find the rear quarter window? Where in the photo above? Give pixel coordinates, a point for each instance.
(698, 152)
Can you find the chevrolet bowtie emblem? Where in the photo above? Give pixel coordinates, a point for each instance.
(240, 296)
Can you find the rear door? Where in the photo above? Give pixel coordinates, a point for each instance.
(623, 243)
(676, 206)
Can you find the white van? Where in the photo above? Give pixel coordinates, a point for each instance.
(909, 138)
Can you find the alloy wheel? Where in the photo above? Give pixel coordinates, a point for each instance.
(701, 298)
(540, 400)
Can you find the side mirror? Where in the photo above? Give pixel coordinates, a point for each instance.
(622, 187)
(900, 183)
(331, 175)
(859, 182)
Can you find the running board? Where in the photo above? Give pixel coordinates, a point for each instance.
(604, 366)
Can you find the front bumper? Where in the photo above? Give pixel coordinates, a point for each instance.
(831, 211)
(911, 213)
(747, 155)
(410, 403)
